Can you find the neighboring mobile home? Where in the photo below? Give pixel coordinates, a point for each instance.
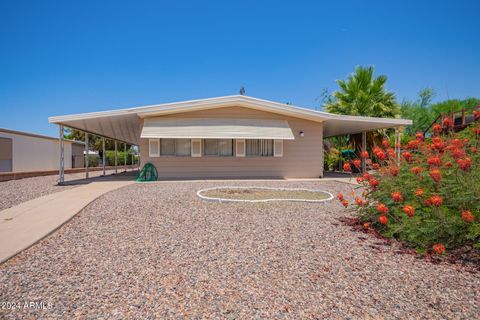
(226, 137)
(29, 152)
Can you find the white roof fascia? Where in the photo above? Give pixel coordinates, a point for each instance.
(238, 100)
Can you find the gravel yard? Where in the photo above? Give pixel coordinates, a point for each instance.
(264, 194)
(157, 251)
(14, 192)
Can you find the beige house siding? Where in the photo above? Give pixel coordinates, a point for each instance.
(302, 157)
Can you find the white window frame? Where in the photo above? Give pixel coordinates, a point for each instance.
(151, 150)
(278, 148)
(238, 152)
(199, 154)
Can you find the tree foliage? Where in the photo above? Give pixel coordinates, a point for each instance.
(423, 112)
(419, 110)
(94, 142)
(362, 94)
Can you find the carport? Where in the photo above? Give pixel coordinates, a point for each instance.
(120, 128)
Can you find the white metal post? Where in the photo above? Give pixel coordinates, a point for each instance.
(103, 155)
(61, 169)
(135, 157)
(397, 144)
(364, 148)
(125, 155)
(116, 156)
(86, 155)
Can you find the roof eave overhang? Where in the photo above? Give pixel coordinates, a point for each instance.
(109, 137)
(355, 125)
(89, 115)
(230, 101)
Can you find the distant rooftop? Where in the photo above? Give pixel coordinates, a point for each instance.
(35, 135)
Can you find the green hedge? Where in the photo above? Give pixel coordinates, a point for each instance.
(110, 158)
(96, 161)
(93, 161)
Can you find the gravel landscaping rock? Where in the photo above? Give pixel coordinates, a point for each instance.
(14, 192)
(157, 251)
(262, 194)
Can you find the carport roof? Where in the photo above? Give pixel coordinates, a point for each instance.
(125, 124)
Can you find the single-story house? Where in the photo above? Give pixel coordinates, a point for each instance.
(226, 137)
(30, 152)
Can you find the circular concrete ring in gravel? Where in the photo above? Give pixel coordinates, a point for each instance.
(217, 198)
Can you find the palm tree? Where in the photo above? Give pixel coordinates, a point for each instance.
(363, 95)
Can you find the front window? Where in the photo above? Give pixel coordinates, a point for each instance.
(175, 147)
(218, 147)
(260, 147)
(183, 148)
(167, 147)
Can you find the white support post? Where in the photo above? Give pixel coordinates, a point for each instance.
(125, 155)
(61, 168)
(103, 155)
(116, 156)
(86, 155)
(397, 144)
(364, 148)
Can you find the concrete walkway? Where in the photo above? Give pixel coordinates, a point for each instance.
(23, 225)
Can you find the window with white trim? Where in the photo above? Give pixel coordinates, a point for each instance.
(175, 147)
(240, 147)
(153, 148)
(278, 148)
(259, 147)
(196, 147)
(218, 147)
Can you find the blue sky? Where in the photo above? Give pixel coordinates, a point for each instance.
(78, 56)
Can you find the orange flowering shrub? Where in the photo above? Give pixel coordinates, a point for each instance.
(347, 167)
(397, 196)
(383, 219)
(467, 216)
(431, 199)
(439, 248)
(409, 210)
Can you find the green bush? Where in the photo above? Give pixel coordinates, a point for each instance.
(110, 158)
(331, 159)
(93, 160)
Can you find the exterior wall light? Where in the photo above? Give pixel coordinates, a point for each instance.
(302, 134)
